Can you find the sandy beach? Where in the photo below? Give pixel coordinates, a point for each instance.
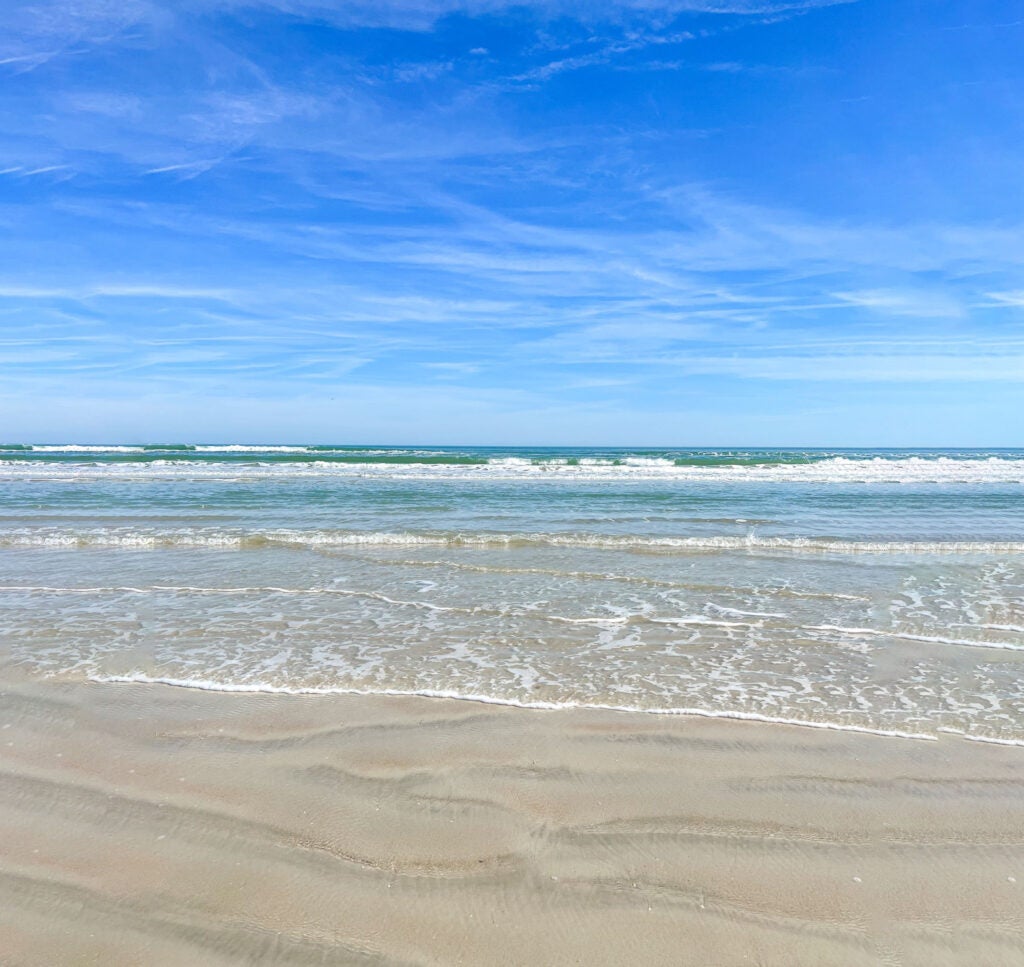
(158, 825)
(511, 483)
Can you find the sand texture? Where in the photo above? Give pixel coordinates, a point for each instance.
(155, 825)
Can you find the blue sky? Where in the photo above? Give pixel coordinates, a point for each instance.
(691, 222)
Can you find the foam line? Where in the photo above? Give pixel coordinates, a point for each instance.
(927, 639)
(42, 537)
(988, 739)
(269, 589)
(202, 684)
(830, 470)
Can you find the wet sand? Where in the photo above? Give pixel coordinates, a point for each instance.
(154, 825)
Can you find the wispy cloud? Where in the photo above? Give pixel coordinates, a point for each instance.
(844, 367)
(919, 303)
(424, 14)
(1007, 299)
(526, 205)
(112, 290)
(27, 62)
(187, 169)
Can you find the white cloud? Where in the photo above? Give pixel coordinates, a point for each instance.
(454, 368)
(920, 303)
(1008, 299)
(423, 14)
(842, 367)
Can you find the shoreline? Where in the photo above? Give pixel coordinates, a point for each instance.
(539, 706)
(160, 824)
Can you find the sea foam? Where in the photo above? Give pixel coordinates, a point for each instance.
(834, 470)
(254, 539)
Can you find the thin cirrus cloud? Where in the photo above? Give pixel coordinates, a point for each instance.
(634, 215)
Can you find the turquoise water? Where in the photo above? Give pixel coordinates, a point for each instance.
(879, 590)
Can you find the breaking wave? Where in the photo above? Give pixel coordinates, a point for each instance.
(281, 537)
(836, 470)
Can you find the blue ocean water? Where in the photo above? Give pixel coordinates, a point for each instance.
(867, 589)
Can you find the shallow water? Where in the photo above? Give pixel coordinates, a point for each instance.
(877, 590)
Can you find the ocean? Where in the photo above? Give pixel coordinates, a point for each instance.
(873, 590)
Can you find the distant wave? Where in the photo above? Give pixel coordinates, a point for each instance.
(201, 448)
(77, 448)
(199, 537)
(426, 466)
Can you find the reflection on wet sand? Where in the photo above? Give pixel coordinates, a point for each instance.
(147, 824)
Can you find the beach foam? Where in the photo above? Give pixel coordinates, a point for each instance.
(241, 462)
(268, 689)
(194, 537)
(667, 582)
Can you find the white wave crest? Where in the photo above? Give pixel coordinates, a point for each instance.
(129, 538)
(249, 448)
(835, 470)
(85, 448)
